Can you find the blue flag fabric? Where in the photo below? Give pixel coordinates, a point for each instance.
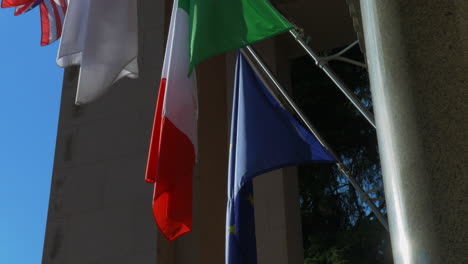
(264, 137)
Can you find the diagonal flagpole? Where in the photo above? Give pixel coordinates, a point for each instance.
(342, 167)
(323, 64)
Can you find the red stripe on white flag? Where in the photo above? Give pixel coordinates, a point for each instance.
(19, 10)
(14, 3)
(174, 140)
(45, 25)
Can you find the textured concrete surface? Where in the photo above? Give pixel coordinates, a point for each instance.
(418, 64)
(100, 205)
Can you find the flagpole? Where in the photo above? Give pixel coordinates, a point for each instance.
(323, 64)
(364, 196)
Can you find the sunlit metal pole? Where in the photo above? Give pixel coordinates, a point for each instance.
(417, 62)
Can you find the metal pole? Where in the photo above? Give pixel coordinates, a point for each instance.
(364, 196)
(322, 64)
(311, 128)
(272, 78)
(338, 56)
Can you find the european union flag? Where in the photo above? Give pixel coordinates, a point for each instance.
(264, 137)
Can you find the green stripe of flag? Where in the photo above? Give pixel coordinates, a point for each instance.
(219, 26)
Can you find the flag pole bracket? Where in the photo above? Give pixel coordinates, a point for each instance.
(298, 34)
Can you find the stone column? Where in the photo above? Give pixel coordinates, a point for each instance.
(100, 205)
(418, 68)
(277, 213)
(211, 181)
(277, 218)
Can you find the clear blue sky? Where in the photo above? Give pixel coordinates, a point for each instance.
(30, 87)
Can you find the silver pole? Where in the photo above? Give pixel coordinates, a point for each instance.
(364, 196)
(322, 64)
(338, 56)
(272, 78)
(311, 128)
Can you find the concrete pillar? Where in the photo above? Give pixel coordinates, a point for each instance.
(213, 142)
(100, 205)
(416, 53)
(277, 218)
(277, 213)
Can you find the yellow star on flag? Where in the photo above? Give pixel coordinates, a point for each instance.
(251, 199)
(232, 229)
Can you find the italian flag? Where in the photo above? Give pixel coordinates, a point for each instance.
(173, 144)
(199, 29)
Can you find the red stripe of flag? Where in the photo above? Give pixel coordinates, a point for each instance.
(45, 25)
(151, 170)
(63, 4)
(58, 21)
(13, 3)
(22, 9)
(172, 202)
(171, 158)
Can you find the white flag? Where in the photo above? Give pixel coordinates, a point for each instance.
(100, 36)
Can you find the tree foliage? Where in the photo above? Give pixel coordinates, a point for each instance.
(338, 228)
